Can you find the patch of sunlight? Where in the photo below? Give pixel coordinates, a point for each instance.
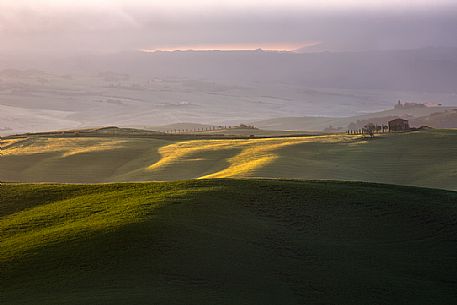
(357, 143)
(78, 218)
(97, 147)
(65, 146)
(9, 142)
(254, 153)
(179, 151)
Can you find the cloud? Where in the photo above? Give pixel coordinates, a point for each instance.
(116, 26)
(217, 4)
(30, 19)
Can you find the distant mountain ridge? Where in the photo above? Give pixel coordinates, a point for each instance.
(428, 69)
(421, 70)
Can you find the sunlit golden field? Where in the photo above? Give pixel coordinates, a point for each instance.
(416, 158)
(250, 154)
(65, 146)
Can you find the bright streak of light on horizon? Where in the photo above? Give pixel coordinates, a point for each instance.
(279, 47)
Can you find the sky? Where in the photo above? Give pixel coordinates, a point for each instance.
(288, 25)
(225, 3)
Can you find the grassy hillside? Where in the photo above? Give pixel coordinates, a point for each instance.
(416, 115)
(86, 160)
(427, 158)
(419, 158)
(227, 242)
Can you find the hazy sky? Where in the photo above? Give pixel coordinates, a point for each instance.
(226, 3)
(122, 25)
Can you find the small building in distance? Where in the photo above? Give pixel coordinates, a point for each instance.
(398, 125)
(399, 105)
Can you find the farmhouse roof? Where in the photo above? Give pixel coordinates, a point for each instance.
(398, 120)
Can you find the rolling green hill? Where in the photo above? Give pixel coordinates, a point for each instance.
(417, 115)
(426, 158)
(227, 242)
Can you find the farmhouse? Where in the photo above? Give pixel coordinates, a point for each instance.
(398, 125)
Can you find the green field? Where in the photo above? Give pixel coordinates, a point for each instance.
(426, 158)
(227, 242)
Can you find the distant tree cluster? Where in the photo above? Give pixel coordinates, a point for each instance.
(370, 129)
(244, 126)
(209, 128)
